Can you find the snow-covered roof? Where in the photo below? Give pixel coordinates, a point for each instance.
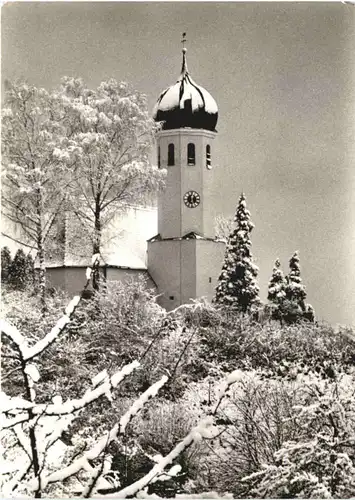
(186, 104)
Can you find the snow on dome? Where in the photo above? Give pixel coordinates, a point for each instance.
(186, 104)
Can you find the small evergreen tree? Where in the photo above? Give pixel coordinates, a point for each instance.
(276, 290)
(21, 270)
(237, 286)
(294, 308)
(6, 261)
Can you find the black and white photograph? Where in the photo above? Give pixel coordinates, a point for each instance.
(178, 249)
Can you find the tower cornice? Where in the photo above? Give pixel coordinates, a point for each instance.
(186, 131)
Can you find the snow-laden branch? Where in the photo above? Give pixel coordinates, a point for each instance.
(203, 430)
(151, 392)
(96, 480)
(15, 336)
(230, 379)
(11, 404)
(120, 427)
(83, 462)
(42, 344)
(58, 408)
(90, 395)
(23, 441)
(7, 423)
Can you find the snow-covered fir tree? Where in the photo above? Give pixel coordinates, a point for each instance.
(277, 284)
(276, 290)
(295, 290)
(237, 285)
(21, 270)
(294, 306)
(6, 261)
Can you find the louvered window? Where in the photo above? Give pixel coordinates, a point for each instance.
(171, 155)
(191, 157)
(208, 157)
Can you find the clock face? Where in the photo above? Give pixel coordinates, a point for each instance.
(191, 199)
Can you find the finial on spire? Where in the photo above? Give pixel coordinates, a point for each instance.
(183, 41)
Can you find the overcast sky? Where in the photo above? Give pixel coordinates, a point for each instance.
(283, 76)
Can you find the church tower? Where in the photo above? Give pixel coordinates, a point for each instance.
(185, 259)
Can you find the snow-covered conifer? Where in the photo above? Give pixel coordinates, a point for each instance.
(237, 286)
(21, 270)
(295, 290)
(276, 290)
(6, 261)
(294, 307)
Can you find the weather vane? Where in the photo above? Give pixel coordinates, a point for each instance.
(183, 41)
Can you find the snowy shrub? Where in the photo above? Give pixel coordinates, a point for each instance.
(122, 318)
(242, 342)
(23, 310)
(176, 352)
(320, 463)
(253, 421)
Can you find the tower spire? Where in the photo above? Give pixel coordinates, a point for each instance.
(184, 69)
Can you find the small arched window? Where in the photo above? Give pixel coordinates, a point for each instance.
(208, 157)
(191, 157)
(171, 155)
(159, 164)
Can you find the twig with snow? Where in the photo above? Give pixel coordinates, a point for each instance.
(73, 405)
(97, 474)
(196, 434)
(231, 379)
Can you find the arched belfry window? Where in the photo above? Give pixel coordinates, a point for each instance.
(159, 164)
(191, 156)
(208, 157)
(171, 155)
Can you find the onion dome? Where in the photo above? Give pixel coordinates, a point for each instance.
(186, 104)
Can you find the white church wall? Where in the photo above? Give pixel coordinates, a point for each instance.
(188, 270)
(164, 259)
(72, 279)
(209, 261)
(182, 269)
